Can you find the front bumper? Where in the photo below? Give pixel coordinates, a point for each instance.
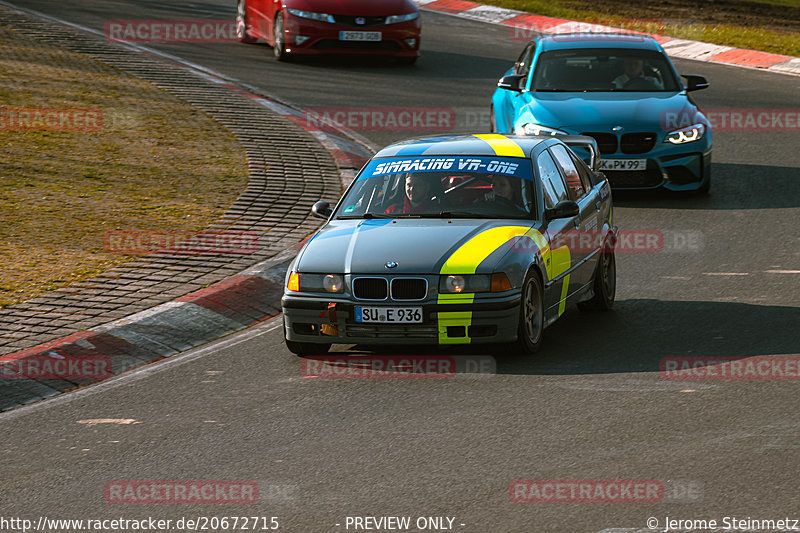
(331, 321)
(672, 167)
(323, 38)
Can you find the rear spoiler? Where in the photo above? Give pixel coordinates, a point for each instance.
(582, 141)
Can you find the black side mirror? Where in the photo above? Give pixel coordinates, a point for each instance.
(695, 82)
(563, 209)
(511, 82)
(322, 209)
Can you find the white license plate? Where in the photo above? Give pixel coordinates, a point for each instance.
(623, 164)
(389, 315)
(360, 36)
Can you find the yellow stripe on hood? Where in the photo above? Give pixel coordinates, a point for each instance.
(501, 144)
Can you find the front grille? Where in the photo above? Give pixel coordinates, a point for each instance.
(409, 289)
(333, 44)
(633, 178)
(606, 142)
(392, 331)
(370, 288)
(637, 143)
(350, 20)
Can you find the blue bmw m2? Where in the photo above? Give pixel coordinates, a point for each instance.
(621, 89)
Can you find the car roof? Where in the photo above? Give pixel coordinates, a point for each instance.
(488, 144)
(597, 40)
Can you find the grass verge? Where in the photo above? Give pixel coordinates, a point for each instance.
(156, 163)
(641, 17)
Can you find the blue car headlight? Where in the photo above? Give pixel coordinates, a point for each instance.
(394, 19)
(688, 134)
(537, 129)
(322, 17)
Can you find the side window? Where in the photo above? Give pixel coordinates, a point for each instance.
(574, 183)
(553, 185)
(584, 171)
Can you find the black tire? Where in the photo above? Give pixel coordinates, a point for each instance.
(307, 348)
(530, 331)
(241, 23)
(279, 38)
(605, 281)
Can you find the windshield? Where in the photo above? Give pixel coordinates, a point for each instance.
(442, 187)
(604, 69)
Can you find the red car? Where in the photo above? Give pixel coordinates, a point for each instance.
(301, 27)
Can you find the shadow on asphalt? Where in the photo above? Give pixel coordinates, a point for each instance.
(635, 337)
(733, 186)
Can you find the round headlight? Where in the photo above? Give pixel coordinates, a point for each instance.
(332, 283)
(454, 283)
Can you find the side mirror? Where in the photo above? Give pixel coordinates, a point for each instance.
(563, 209)
(695, 82)
(511, 82)
(322, 209)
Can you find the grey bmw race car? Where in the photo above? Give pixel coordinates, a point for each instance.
(456, 239)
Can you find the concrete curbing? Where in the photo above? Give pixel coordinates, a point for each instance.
(681, 48)
(149, 336)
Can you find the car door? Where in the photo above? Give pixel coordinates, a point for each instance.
(271, 8)
(601, 192)
(259, 16)
(560, 262)
(584, 242)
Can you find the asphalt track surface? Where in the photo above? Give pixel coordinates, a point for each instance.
(592, 405)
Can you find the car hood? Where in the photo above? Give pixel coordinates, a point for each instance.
(580, 112)
(369, 8)
(418, 246)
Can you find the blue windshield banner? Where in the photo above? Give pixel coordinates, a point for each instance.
(507, 166)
